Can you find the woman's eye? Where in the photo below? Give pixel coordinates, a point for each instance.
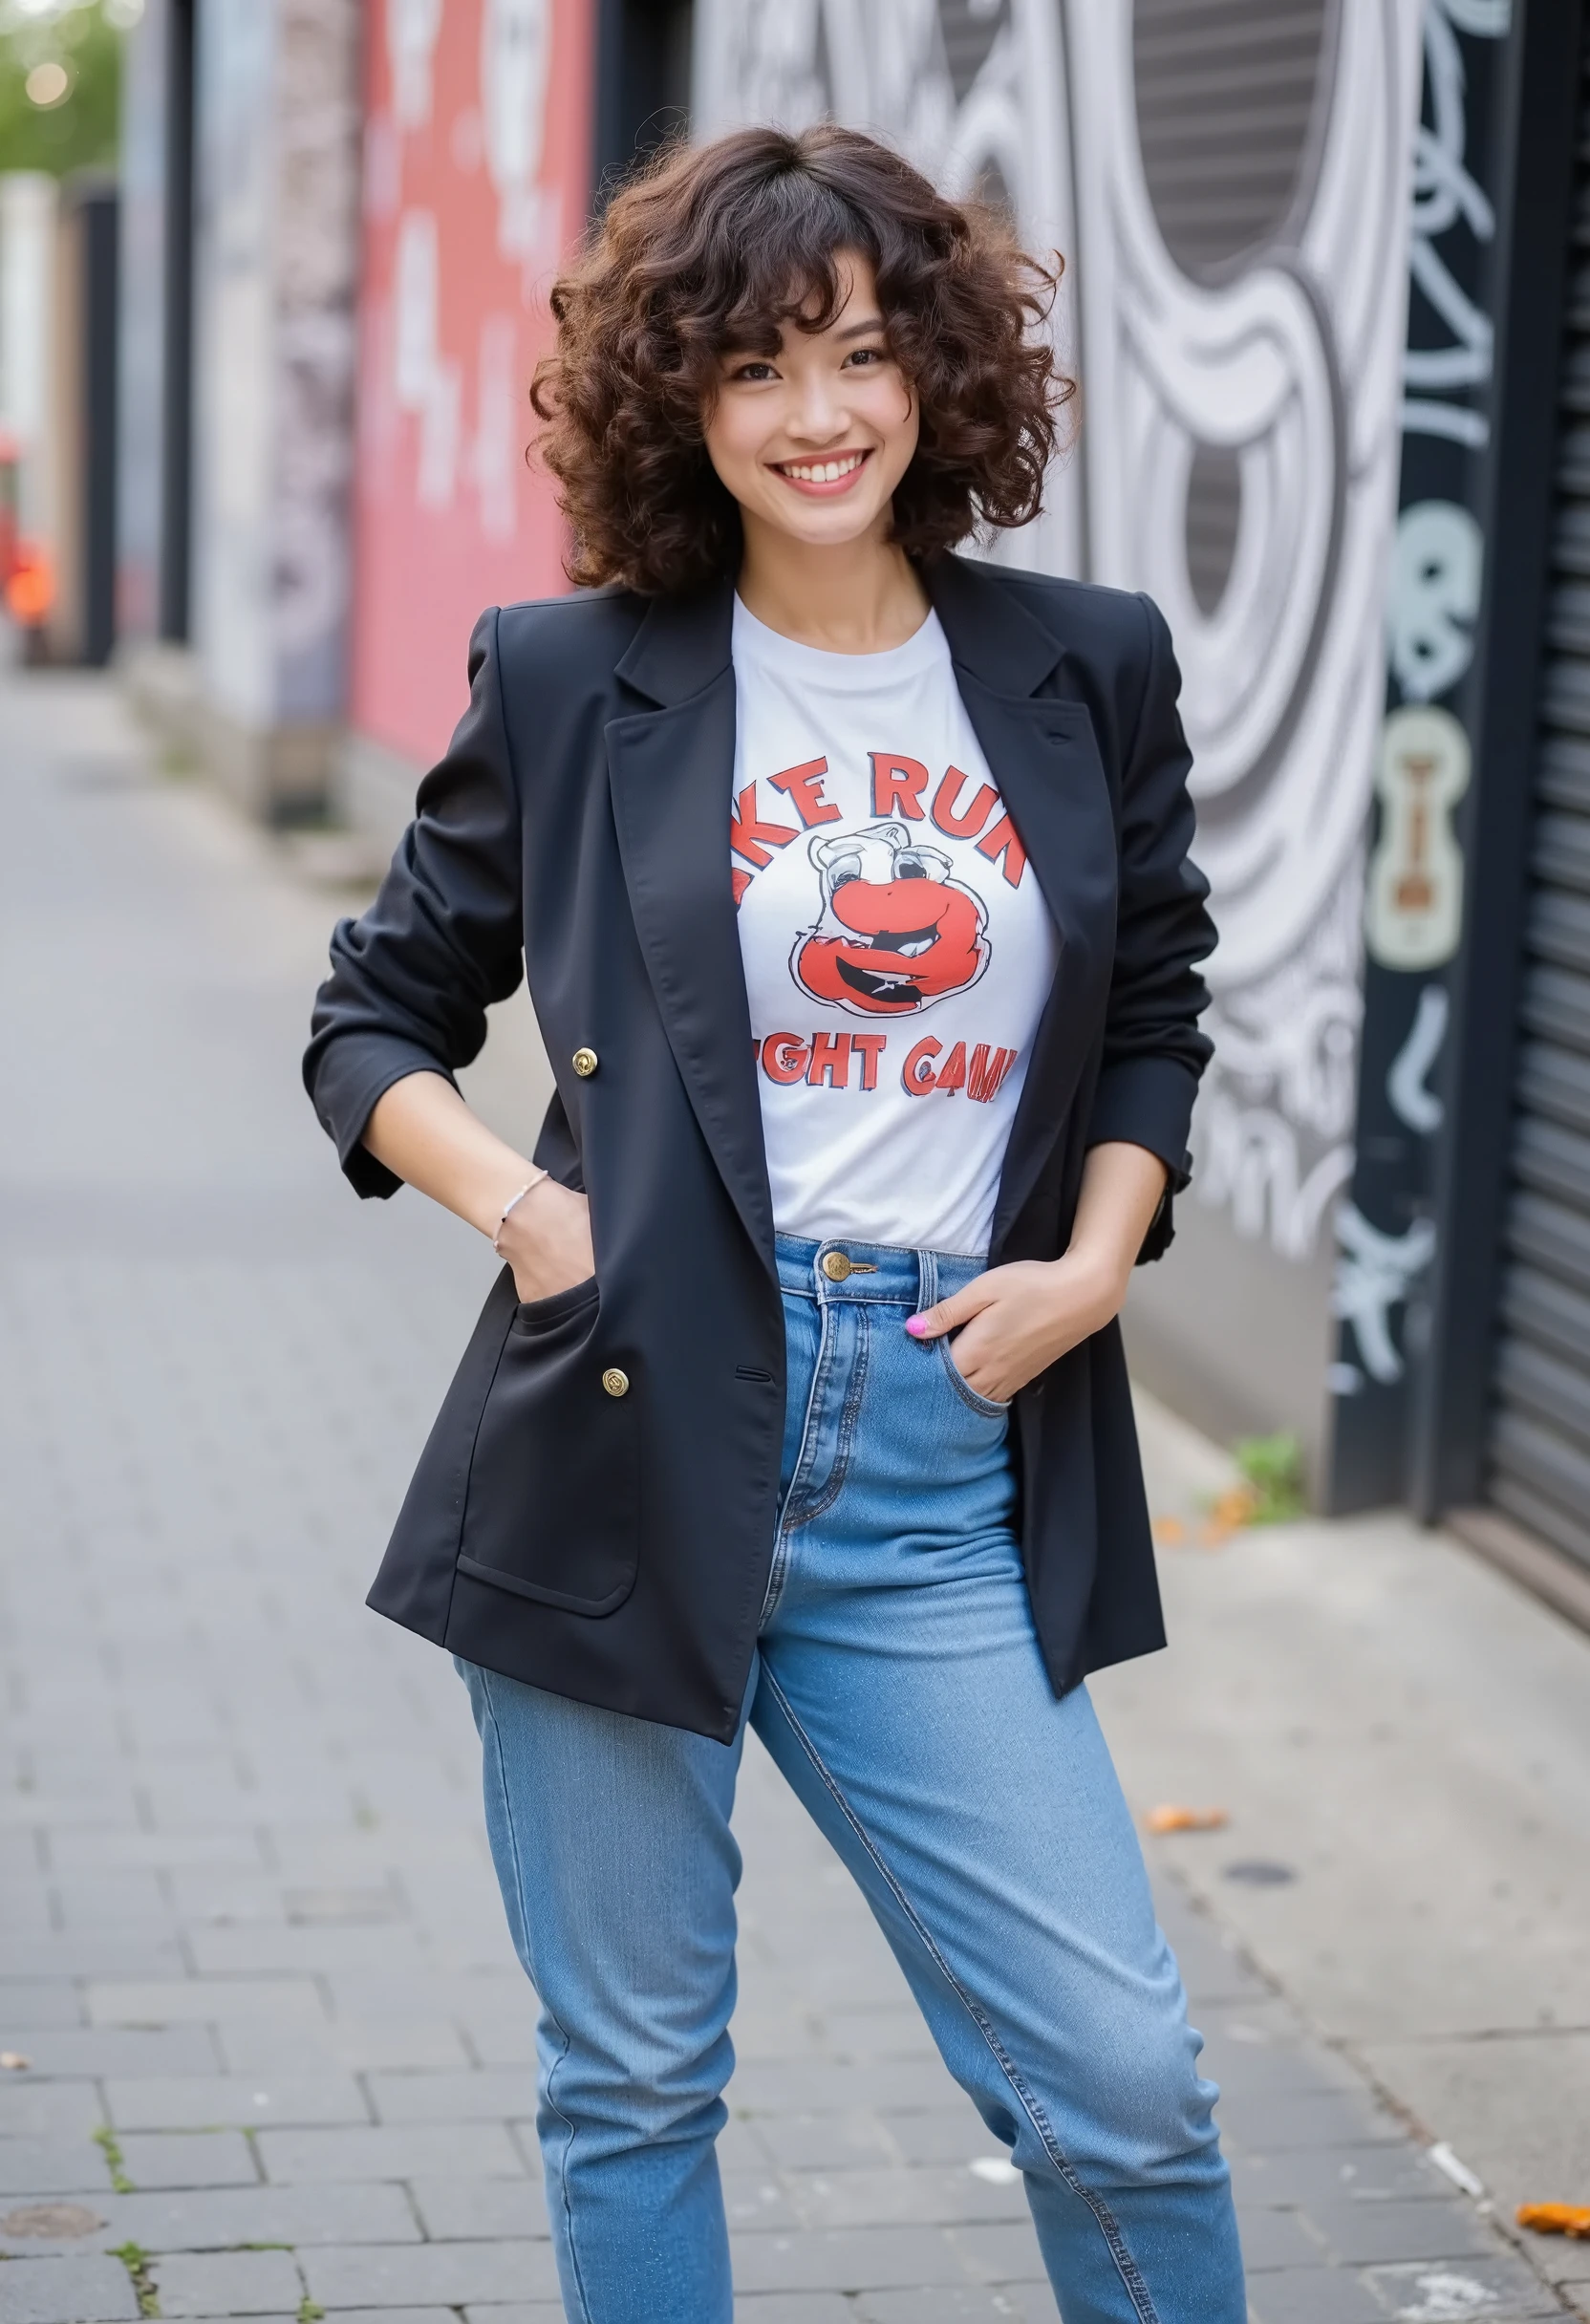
(867, 355)
(753, 371)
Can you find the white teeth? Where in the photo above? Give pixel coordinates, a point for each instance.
(822, 471)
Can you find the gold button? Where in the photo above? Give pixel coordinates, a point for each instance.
(615, 1382)
(835, 1266)
(585, 1064)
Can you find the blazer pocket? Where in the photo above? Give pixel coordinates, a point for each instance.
(553, 1504)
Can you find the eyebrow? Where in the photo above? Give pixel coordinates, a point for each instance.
(859, 331)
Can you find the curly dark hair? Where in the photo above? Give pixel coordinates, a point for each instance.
(713, 248)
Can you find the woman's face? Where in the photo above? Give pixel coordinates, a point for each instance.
(813, 440)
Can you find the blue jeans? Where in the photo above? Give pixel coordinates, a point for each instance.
(899, 1687)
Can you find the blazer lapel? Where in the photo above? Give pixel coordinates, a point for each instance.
(671, 772)
(1045, 758)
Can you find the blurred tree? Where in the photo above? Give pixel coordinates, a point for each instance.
(60, 82)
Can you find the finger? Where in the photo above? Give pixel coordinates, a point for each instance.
(949, 1315)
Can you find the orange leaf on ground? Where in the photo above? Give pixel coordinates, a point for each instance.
(1170, 1531)
(1227, 1513)
(1185, 1820)
(1556, 2219)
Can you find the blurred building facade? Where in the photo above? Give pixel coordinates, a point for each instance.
(1321, 295)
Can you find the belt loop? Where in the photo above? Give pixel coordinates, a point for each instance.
(927, 1281)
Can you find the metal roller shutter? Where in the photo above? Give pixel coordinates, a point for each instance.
(1539, 1451)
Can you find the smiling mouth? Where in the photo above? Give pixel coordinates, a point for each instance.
(874, 987)
(832, 471)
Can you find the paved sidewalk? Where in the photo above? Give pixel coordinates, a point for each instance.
(279, 2055)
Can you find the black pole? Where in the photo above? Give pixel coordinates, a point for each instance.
(97, 228)
(1541, 96)
(177, 354)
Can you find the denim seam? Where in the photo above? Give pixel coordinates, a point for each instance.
(551, 2019)
(850, 1415)
(821, 1374)
(1137, 2290)
(780, 1566)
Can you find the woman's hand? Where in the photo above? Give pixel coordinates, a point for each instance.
(422, 1130)
(545, 1239)
(1013, 1322)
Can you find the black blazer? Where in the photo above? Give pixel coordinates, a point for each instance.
(616, 1548)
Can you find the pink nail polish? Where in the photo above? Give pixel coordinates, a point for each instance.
(915, 1326)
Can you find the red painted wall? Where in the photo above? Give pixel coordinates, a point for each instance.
(478, 156)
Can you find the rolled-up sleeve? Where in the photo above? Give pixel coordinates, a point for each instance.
(1154, 1050)
(412, 978)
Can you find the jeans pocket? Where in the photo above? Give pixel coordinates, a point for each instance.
(967, 1394)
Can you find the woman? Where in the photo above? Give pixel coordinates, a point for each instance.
(852, 879)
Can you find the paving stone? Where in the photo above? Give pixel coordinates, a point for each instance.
(359, 2047)
(48, 2002)
(1313, 2295)
(220, 2219)
(514, 2311)
(1280, 2239)
(220, 1845)
(1005, 2253)
(203, 2000)
(779, 2085)
(33, 2229)
(451, 2274)
(226, 2283)
(50, 2166)
(958, 2303)
(1499, 2289)
(857, 2259)
(84, 2290)
(1330, 2175)
(953, 2133)
(820, 2141)
(792, 2307)
(1318, 2119)
(922, 2196)
(484, 2095)
(1358, 2233)
(486, 2210)
(196, 2159)
(32, 2109)
(214, 2101)
(475, 2150)
(63, 1955)
(92, 2052)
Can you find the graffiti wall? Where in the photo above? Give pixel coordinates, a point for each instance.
(477, 181)
(273, 355)
(1236, 243)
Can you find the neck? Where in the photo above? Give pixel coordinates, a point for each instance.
(861, 597)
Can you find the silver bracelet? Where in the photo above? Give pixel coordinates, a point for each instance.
(529, 1186)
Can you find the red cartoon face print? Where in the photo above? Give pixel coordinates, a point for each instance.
(896, 931)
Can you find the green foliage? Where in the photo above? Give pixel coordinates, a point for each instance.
(1273, 1469)
(136, 2260)
(307, 2311)
(80, 131)
(110, 2146)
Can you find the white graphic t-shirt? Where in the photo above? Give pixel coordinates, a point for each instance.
(898, 950)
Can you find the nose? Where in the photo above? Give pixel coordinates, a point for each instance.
(820, 416)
